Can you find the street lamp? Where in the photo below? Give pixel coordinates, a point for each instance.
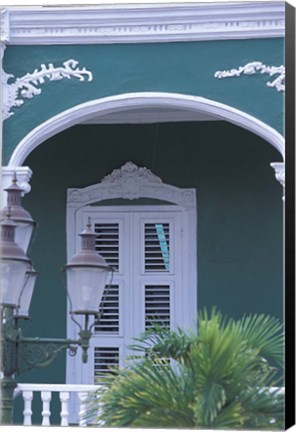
(86, 279)
(23, 219)
(26, 294)
(14, 264)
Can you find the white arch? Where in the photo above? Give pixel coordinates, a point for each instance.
(129, 101)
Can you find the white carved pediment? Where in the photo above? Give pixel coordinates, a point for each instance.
(131, 182)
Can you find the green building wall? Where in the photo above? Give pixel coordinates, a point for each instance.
(186, 68)
(239, 212)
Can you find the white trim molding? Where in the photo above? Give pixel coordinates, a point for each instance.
(130, 23)
(4, 25)
(27, 86)
(127, 101)
(252, 68)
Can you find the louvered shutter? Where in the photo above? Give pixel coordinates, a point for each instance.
(157, 247)
(106, 358)
(141, 246)
(107, 242)
(157, 306)
(108, 320)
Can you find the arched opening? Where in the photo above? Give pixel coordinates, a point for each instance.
(223, 154)
(107, 106)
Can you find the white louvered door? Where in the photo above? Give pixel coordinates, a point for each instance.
(145, 247)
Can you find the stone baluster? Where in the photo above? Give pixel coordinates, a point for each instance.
(64, 398)
(28, 397)
(82, 396)
(46, 398)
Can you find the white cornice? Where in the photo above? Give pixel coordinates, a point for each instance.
(142, 23)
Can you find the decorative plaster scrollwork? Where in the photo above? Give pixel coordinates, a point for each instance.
(130, 170)
(131, 182)
(252, 68)
(27, 86)
(279, 168)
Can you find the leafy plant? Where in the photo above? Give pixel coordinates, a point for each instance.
(217, 377)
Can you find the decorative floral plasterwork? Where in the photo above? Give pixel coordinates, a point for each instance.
(279, 168)
(26, 87)
(252, 68)
(131, 182)
(131, 171)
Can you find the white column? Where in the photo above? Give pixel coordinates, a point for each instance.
(23, 175)
(279, 168)
(4, 39)
(46, 398)
(28, 397)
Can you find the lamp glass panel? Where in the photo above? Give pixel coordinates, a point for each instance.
(23, 234)
(26, 295)
(12, 280)
(85, 288)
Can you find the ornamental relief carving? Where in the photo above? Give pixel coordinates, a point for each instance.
(131, 182)
(279, 169)
(27, 86)
(130, 171)
(258, 67)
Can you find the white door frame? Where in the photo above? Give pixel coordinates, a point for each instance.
(132, 182)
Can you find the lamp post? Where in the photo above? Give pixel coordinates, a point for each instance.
(86, 278)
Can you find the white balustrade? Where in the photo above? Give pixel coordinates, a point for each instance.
(65, 391)
(46, 390)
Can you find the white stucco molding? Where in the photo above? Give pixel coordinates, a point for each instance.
(145, 22)
(131, 182)
(279, 168)
(4, 25)
(127, 101)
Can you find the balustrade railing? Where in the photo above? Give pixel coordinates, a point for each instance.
(28, 391)
(65, 391)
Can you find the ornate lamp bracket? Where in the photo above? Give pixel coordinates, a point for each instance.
(20, 354)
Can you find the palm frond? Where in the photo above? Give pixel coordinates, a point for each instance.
(265, 333)
(218, 377)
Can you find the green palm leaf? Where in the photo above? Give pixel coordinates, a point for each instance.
(219, 376)
(264, 333)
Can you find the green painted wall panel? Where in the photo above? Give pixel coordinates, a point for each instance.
(186, 68)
